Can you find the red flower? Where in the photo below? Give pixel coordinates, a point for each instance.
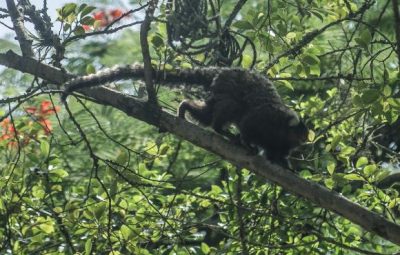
(116, 13)
(101, 15)
(46, 124)
(7, 129)
(46, 108)
(31, 109)
(86, 28)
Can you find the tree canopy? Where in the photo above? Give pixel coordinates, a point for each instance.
(94, 159)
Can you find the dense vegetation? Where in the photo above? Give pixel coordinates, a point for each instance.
(106, 174)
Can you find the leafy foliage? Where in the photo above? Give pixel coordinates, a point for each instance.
(93, 180)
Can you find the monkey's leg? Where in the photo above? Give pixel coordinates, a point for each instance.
(225, 112)
(255, 131)
(201, 112)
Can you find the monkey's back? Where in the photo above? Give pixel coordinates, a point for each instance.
(249, 88)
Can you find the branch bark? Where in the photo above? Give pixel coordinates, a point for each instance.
(148, 74)
(18, 22)
(215, 143)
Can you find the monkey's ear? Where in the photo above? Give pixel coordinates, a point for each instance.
(294, 121)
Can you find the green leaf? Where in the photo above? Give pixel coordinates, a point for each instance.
(126, 232)
(205, 203)
(357, 101)
(311, 135)
(88, 246)
(87, 21)
(329, 183)
(395, 102)
(391, 117)
(369, 96)
(38, 192)
(317, 14)
(67, 9)
(387, 91)
(47, 227)
(90, 69)
(66, 27)
(205, 248)
(394, 202)
(286, 84)
(362, 161)
(81, 7)
(243, 24)
(366, 36)
(364, 39)
(157, 41)
(305, 174)
(247, 61)
(215, 190)
(99, 210)
(79, 30)
(347, 150)
(354, 177)
(291, 35)
(369, 169)
(331, 167)
(44, 148)
(164, 149)
(183, 65)
(59, 172)
(310, 59)
(87, 10)
(315, 70)
(385, 75)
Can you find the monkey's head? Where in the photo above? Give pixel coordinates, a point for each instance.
(297, 131)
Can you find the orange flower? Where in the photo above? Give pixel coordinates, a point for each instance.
(46, 108)
(101, 15)
(5, 137)
(31, 109)
(7, 130)
(46, 124)
(116, 13)
(86, 28)
(7, 126)
(5, 123)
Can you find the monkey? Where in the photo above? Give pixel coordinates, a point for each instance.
(251, 102)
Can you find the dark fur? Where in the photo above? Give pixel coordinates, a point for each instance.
(251, 102)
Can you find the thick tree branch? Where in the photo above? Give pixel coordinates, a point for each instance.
(144, 30)
(215, 143)
(32, 66)
(18, 23)
(232, 16)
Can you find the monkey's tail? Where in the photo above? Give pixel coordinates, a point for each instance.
(200, 112)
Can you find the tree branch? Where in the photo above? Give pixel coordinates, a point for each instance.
(215, 143)
(148, 70)
(18, 23)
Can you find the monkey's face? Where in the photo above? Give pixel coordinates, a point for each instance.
(298, 134)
